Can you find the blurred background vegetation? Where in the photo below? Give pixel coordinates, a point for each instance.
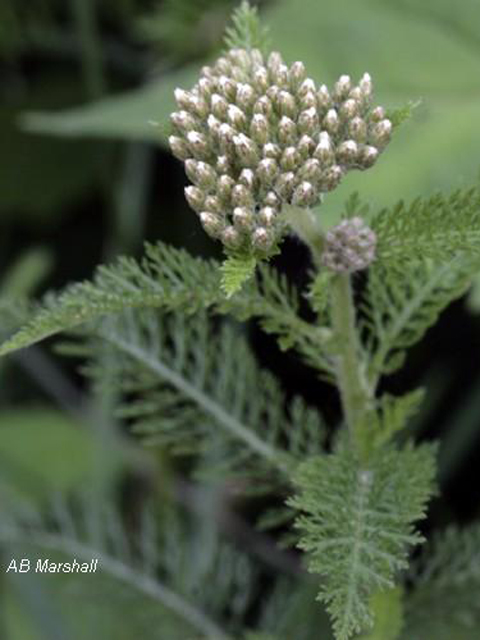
(85, 175)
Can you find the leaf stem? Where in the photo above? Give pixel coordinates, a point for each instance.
(349, 369)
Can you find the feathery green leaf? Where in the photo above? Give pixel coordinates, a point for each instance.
(438, 227)
(247, 31)
(356, 524)
(236, 270)
(401, 304)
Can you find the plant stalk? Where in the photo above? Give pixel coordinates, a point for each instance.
(351, 382)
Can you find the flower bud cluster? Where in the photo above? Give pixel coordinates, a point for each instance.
(256, 134)
(350, 246)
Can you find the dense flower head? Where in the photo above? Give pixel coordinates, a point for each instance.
(350, 246)
(256, 134)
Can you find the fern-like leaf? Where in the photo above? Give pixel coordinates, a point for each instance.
(445, 601)
(196, 388)
(356, 524)
(400, 305)
(247, 31)
(438, 227)
(236, 270)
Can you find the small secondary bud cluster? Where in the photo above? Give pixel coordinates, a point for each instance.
(350, 246)
(256, 134)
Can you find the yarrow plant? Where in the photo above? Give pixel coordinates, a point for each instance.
(262, 145)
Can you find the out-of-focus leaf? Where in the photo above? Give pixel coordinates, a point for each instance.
(26, 273)
(42, 450)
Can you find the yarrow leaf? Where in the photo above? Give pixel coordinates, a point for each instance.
(236, 270)
(247, 31)
(356, 525)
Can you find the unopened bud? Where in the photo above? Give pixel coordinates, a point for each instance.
(304, 195)
(307, 86)
(262, 239)
(223, 66)
(311, 171)
(272, 200)
(368, 156)
(331, 178)
(331, 121)
(236, 117)
(231, 237)
(285, 185)
(227, 87)
(377, 114)
(275, 60)
(259, 128)
(297, 74)
(342, 87)
(245, 96)
(286, 104)
(349, 108)
(223, 164)
(219, 106)
(350, 246)
(267, 171)
(308, 121)
(247, 178)
(358, 129)
(266, 216)
(225, 185)
(200, 173)
(226, 134)
(245, 150)
(381, 133)
(365, 85)
(347, 152)
(212, 223)
(179, 147)
(305, 146)
(241, 196)
(195, 198)
(183, 121)
(324, 150)
(287, 130)
(323, 97)
(213, 204)
(260, 79)
(198, 145)
(271, 150)
(308, 101)
(242, 218)
(290, 159)
(281, 76)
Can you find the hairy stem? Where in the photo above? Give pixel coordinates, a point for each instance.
(349, 370)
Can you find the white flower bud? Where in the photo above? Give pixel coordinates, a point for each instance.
(368, 156)
(259, 128)
(183, 121)
(239, 57)
(308, 101)
(224, 187)
(272, 200)
(267, 171)
(241, 196)
(266, 216)
(275, 60)
(212, 223)
(263, 105)
(358, 129)
(281, 76)
(245, 150)
(271, 150)
(195, 198)
(297, 74)
(381, 133)
(377, 114)
(242, 218)
(219, 106)
(260, 79)
(231, 237)
(342, 87)
(285, 185)
(247, 178)
(236, 117)
(331, 121)
(179, 147)
(245, 96)
(290, 159)
(257, 57)
(305, 194)
(223, 66)
(183, 99)
(349, 109)
(331, 178)
(287, 130)
(213, 204)
(262, 239)
(205, 88)
(200, 173)
(272, 93)
(227, 87)
(198, 145)
(286, 104)
(307, 86)
(226, 134)
(223, 164)
(308, 121)
(213, 125)
(324, 98)
(347, 152)
(305, 146)
(311, 171)
(324, 150)
(365, 85)
(356, 94)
